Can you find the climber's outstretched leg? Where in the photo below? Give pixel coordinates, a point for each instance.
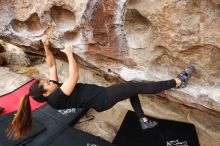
(122, 91)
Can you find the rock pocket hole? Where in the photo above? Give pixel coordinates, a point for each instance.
(30, 27)
(2, 49)
(70, 36)
(64, 19)
(74, 38)
(138, 29)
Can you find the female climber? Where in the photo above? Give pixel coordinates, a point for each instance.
(71, 94)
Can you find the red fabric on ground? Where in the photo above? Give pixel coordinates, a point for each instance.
(11, 100)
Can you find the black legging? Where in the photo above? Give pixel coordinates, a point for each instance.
(122, 91)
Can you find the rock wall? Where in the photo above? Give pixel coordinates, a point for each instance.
(107, 123)
(128, 40)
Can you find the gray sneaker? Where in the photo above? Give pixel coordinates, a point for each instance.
(146, 124)
(185, 75)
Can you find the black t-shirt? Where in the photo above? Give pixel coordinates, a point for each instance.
(83, 96)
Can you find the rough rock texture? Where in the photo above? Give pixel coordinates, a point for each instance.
(131, 40)
(13, 55)
(1, 60)
(2, 49)
(106, 124)
(216, 1)
(11, 80)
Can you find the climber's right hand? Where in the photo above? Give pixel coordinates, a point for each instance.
(45, 41)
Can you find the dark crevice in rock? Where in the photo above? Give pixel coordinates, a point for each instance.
(2, 59)
(2, 49)
(41, 53)
(70, 36)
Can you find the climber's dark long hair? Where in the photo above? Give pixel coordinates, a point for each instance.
(22, 122)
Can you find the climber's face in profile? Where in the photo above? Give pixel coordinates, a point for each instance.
(49, 87)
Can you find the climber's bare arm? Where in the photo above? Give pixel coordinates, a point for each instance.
(69, 85)
(50, 59)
